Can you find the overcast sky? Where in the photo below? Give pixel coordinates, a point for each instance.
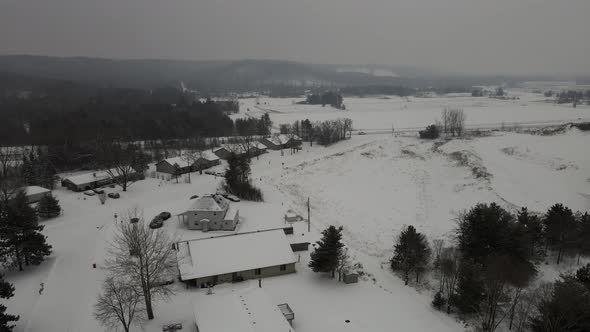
(468, 36)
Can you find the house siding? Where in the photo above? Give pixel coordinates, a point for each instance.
(265, 272)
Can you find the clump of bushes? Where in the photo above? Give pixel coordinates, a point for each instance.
(431, 132)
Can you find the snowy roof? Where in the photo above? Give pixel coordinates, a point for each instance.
(260, 146)
(85, 178)
(249, 310)
(34, 190)
(210, 203)
(282, 139)
(175, 160)
(231, 253)
(208, 155)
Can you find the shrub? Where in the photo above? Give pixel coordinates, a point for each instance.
(431, 132)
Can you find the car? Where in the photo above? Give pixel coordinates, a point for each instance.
(232, 198)
(222, 174)
(157, 222)
(362, 133)
(194, 196)
(89, 193)
(165, 215)
(172, 327)
(114, 195)
(210, 172)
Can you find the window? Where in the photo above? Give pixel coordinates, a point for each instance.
(257, 272)
(283, 267)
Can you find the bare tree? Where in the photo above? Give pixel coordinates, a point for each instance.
(449, 266)
(453, 121)
(344, 265)
(7, 158)
(119, 304)
(152, 263)
(123, 165)
(437, 247)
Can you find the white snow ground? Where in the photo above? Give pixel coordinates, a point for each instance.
(372, 185)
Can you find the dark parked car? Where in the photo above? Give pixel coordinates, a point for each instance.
(114, 195)
(232, 198)
(194, 196)
(157, 222)
(165, 215)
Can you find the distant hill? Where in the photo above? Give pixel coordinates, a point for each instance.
(195, 74)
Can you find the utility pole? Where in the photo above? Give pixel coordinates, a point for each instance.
(308, 216)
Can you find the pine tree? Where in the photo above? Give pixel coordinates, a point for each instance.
(583, 275)
(583, 234)
(560, 229)
(411, 253)
(325, 257)
(6, 292)
(438, 301)
(469, 293)
(22, 243)
(48, 207)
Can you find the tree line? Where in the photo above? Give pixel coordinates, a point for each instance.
(487, 273)
(323, 132)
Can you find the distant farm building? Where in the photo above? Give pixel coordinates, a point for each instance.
(279, 142)
(249, 310)
(253, 149)
(177, 166)
(36, 193)
(210, 213)
(87, 181)
(235, 257)
(206, 159)
(173, 166)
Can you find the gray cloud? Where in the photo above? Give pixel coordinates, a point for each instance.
(470, 36)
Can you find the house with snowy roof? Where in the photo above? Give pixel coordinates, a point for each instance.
(249, 310)
(235, 257)
(173, 166)
(35, 193)
(204, 160)
(279, 142)
(210, 213)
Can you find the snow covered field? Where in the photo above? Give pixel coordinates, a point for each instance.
(372, 185)
(409, 112)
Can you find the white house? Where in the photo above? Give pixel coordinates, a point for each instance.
(249, 310)
(210, 213)
(235, 257)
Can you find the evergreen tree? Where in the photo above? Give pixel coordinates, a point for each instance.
(470, 290)
(489, 229)
(560, 229)
(438, 301)
(237, 178)
(6, 292)
(411, 253)
(48, 207)
(583, 275)
(566, 309)
(583, 234)
(534, 229)
(325, 257)
(22, 242)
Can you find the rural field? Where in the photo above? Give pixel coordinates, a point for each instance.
(371, 184)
